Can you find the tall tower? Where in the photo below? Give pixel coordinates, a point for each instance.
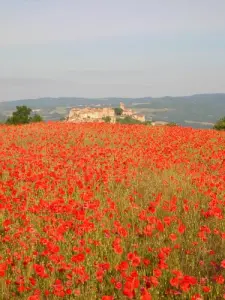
(122, 106)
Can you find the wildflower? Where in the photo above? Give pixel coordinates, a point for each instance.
(40, 270)
(223, 264)
(145, 295)
(3, 268)
(78, 258)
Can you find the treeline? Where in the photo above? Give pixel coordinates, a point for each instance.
(23, 115)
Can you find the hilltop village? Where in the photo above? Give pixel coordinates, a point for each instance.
(92, 114)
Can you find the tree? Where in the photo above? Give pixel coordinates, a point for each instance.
(220, 125)
(22, 115)
(118, 111)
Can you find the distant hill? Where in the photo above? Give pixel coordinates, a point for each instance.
(198, 111)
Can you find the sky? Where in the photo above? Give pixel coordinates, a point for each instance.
(111, 48)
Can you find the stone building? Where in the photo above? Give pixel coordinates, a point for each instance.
(93, 114)
(89, 114)
(126, 111)
(129, 112)
(139, 117)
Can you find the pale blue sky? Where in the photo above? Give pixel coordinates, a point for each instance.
(100, 48)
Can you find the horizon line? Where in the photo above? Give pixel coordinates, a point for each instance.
(114, 97)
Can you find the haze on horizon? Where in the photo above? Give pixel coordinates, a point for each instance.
(105, 48)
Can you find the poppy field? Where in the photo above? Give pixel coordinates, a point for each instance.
(109, 211)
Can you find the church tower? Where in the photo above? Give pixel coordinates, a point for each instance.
(122, 106)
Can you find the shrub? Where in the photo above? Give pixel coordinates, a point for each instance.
(36, 118)
(106, 119)
(147, 123)
(128, 120)
(220, 125)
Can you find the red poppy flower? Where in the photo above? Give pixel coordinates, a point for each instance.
(78, 258)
